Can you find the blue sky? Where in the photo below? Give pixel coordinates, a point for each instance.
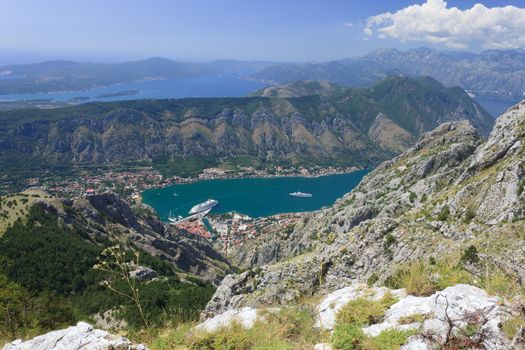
(277, 30)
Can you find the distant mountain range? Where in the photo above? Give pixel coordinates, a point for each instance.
(324, 125)
(492, 74)
(53, 76)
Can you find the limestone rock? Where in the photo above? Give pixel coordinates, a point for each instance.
(80, 337)
(331, 304)
(245, 316)
(456, 303)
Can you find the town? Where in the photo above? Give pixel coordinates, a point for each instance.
(129, 184)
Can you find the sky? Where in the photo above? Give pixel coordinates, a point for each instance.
(275, 30)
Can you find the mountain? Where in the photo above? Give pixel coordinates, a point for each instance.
(63, 261)
(491, 74)
(349, 72)
(71, 76)
(448, 210)
(238, 67)
(300, 89)
(356, 127)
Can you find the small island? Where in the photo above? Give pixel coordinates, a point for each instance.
(131, 92)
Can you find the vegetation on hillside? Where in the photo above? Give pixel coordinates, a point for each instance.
(48, 281)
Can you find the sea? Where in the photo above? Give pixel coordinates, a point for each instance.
(203, 86)
(256, 197)
(495, 107)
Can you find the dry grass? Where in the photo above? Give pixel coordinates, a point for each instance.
(16, 206)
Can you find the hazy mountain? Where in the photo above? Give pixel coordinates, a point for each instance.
(497, 74)
(355, 127)
(69, 75)
(301, 88)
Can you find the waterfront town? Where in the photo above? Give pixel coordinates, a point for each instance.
(130, 184)
(227, 231)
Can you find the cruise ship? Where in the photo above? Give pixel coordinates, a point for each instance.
(210, 203)
(301, 194)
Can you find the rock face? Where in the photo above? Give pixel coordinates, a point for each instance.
(446, 193)
(106, 217)
(80, 337)
(354, 128)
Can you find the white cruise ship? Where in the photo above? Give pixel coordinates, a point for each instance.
(210, 203)
(301, 194)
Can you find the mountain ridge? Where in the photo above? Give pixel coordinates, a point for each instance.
(358, 127)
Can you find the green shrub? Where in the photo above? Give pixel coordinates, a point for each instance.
(390, 240)
(372, 279)
(15, 309)
(389, 339)
(470, 255)
(469, 215)
(348, 337)
(416, 279)
(363, 311)
(444, 213)
(511, 326)
(412, 197)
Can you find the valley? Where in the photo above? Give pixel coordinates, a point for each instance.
(347, 128)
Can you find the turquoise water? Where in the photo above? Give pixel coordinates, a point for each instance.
(205, 86)
(254, 196)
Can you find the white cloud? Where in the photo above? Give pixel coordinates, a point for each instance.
(434, 22)
(348, 24)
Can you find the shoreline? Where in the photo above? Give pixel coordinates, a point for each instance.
(192, 180)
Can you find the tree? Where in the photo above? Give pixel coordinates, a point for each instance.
(15, 308)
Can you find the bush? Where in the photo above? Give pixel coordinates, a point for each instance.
(15, 308)
(389, 339)
(469, 215)
(372, 279)
(444, 213)
(290, 328)
(470, 255)
(363, 311)
(415, 279)
(348, 337)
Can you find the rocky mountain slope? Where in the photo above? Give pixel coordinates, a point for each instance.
(449, 192)
(106, 219)
(358, 127)
(301, 88)
(494, 74)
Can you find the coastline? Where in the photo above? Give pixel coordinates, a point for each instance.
(254, 198)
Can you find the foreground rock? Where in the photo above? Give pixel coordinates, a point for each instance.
(246, 317)
(80, 337)
(435, 319)
(450, 310)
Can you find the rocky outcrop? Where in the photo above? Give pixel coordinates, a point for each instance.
(448, 192)
(80, 337)
(448, 310)
(245, 316)
(433, 319)
(106, 217)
